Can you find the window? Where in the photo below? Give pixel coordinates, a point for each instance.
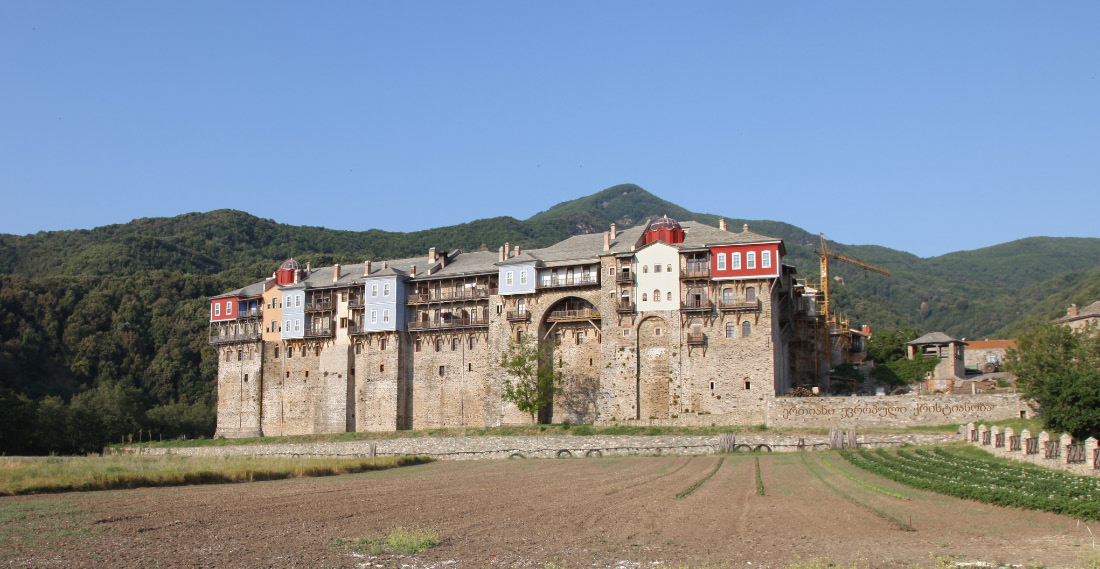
(382, 345)
(288, 374)
(288, 326)
(227, 354)
(750, 260)
(656, 268)
(288, 302)
(473, 342)
(611, 271)
(274, 326)
(727, 294)
(766, 259)
(748, 385)
(441, 370)
(750, 294)
(439, 345)
(297, 325)
(645, 268)
(519, 336)
(217, 309)
(731, 330)
(381, 367)
(469, 367)
(374, 316)
(246, 376)
(656, 331)
(668, 296)
(386, 315)
(298, 300)
(656, 295)
(417, 345)
(290, 352)
(358, 348)
(344, 296)
(580, 338)
(669, 267)
(746, 328)
(454, 344)
(343, 322)
(523, 277)
(374, 290)
(508, 278)
(736, 258)
(721, 261)
(626, 332)
(307, 373)
(228, 308)
(276, 352)
(643, 297)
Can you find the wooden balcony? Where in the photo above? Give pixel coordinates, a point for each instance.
(450, 295)
(250, 313)
(566, 281)
(519, 316)
(697, 339)
(320, 333)
(319, 306)
(448, 323)
(697, 306)
(218, 340)
(573, 315)
(356, 303)
(695, 271)
(624, 277)
(739, 305)
(625, 307)
(356, 330)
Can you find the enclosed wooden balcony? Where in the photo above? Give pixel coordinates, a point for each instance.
(695, 271)
(697, 305)
(250, 313)
(624, 276)
(625, 307)
(445, 323)
(356, 303)
(519, 316)
(319, 305)
(570, 281)
(578, 315)
(738, 305)
(450, 295)
(320, 332)
(699, 339)
(220, 339)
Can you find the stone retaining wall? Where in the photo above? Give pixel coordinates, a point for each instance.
(468, 448)
(893, 411)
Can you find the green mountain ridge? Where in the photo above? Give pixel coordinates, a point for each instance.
(109, 324)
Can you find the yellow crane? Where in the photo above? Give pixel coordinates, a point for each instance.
(825, 254)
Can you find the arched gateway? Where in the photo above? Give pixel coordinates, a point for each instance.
(572, 325)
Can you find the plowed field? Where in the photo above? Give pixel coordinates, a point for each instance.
(598, 512)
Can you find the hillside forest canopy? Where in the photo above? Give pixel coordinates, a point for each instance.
(103, 332)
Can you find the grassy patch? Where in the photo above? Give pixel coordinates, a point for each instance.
(400, 541)
(759, 482)
(25, 524)
(56, 474)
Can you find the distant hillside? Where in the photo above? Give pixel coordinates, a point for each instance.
(103, 331)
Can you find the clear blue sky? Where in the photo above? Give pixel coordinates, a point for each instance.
(928, 127)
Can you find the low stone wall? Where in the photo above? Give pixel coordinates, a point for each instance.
(1079, 457)
(468, 448)
(893, 411)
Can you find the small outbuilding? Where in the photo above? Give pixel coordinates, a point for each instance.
(951, 353)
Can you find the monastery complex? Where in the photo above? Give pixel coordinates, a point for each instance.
(666, 323)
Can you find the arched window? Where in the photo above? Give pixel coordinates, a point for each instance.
(750, 294)
(746, 328)
(668, 295)
(727, 294)
(643, 297)
(656, 295)
(519, 336)
(731, 330)
(645, 268)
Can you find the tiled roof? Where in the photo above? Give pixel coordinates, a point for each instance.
(254, 289)
(1090, 311)
(991, 344)
(933, 338)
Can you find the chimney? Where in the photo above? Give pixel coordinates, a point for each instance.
(412, 271)
(607, 241)
(443, 260)
(366, 268)
(297, 275)
(1072, 310)
(614, 231)
(507, 251)
(500, 253)
(722, 223)
(745, 228)
(336, 272)
(431, 255)
(516, 254)
(867, 329)
(385, 265)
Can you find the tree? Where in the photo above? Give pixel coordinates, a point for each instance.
(892, 363)
(1060, 368)
(532, 380)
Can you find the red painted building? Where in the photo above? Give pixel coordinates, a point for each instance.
(749, 260)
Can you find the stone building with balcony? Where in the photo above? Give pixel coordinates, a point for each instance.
(663, 323)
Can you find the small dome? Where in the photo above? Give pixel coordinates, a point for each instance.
(290, 265)
(665, 222)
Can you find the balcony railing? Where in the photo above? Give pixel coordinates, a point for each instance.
(234, 338)
(576, 280)
(250, 313)
(448, 323)
(519, 316)
(697, 306)
(320, 333)
(573, 315)
(450, 295)
(697, 339)
(625, 307)
(355, 303)
(695, 271)
(356, 329)
(318, 306)
(624, 277)
(738, 305)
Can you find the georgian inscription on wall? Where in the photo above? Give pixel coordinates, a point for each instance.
(912, 411)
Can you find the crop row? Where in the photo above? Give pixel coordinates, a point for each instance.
(985, 481)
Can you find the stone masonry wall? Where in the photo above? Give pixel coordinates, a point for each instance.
(892, 411)
(239, 385)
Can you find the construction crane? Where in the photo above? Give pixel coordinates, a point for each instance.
(825, 254)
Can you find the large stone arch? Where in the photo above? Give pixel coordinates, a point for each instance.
(656, 338)
(571, 323)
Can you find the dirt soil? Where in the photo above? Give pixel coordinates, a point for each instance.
(598, 512)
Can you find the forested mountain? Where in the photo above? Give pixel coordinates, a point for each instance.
(103, 331)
